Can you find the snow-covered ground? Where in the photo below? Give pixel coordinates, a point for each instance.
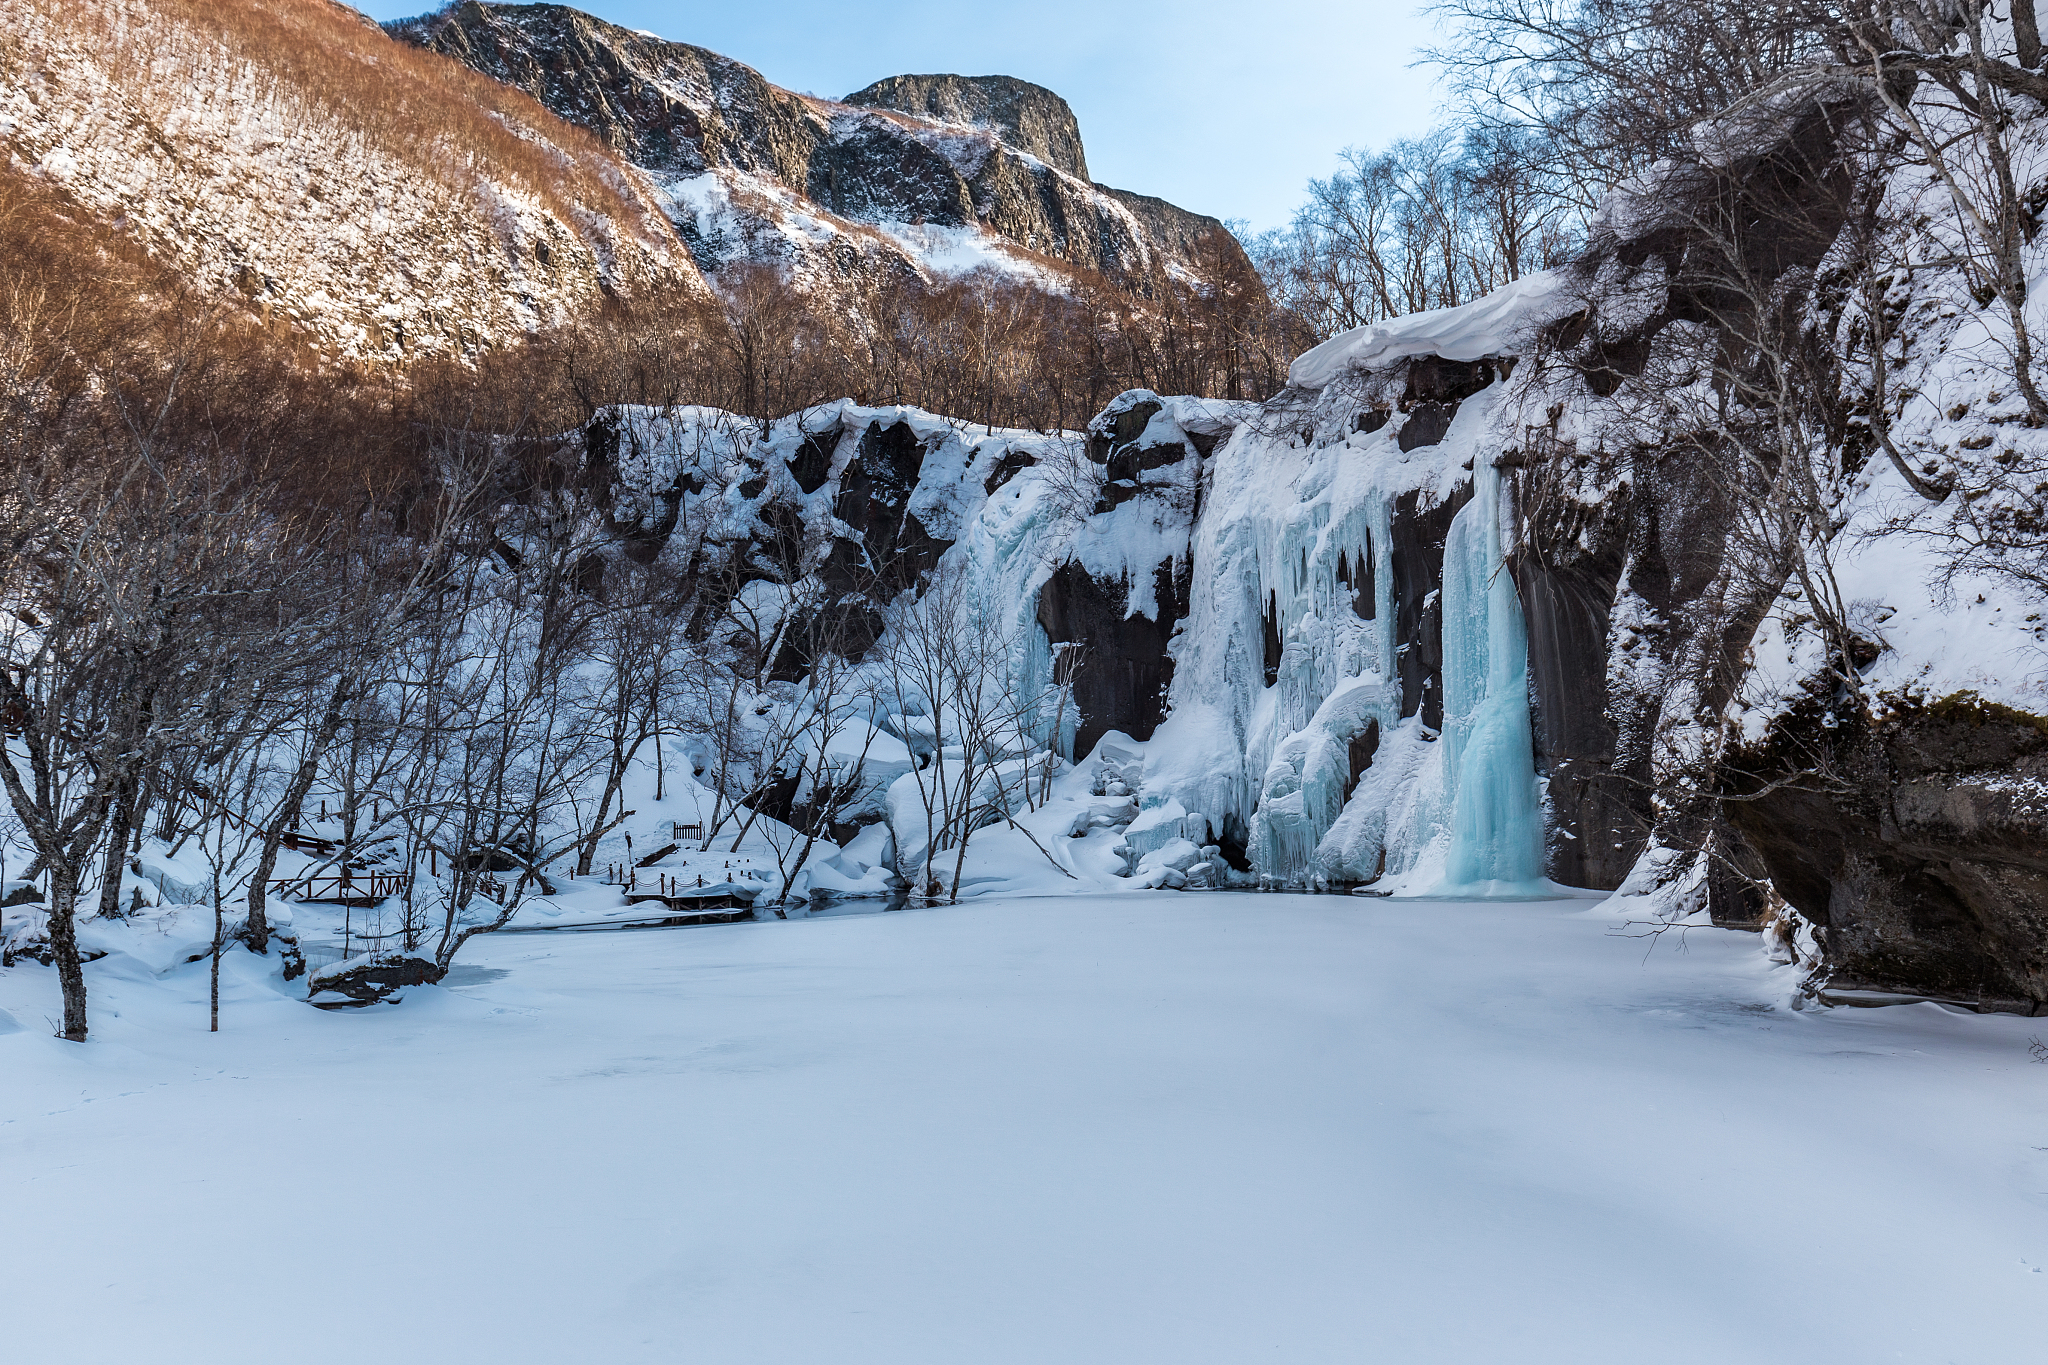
(1130, 1128)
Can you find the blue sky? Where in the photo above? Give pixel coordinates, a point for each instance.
(1221, 108)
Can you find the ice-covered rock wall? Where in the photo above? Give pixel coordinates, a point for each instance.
(1307, 610)
(1466, 608)
(1460, 610)
(1351, 686)
(1083, 538)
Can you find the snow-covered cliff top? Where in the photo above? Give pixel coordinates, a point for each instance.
(1501, 323)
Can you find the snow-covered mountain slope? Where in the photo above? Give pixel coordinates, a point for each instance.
(932, 174)
(287, 155)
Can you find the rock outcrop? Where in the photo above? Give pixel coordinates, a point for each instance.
(759, 173)
(1027, 117)
(363, 981)
(1917, 840)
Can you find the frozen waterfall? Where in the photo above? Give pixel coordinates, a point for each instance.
(1496, 825)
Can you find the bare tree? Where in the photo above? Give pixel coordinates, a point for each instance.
(130, 588)
(1428, 222)
(640, 676)
(836, 699)
(948, 663)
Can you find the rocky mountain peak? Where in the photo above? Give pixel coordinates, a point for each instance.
(667, 107)
(1029, 117)
(956, 171)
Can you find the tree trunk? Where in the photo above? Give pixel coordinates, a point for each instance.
(810, 842)
(597, 827)
(213, 984)
(64, 944)
(2026, 32)
(960, 859)
(117, 850)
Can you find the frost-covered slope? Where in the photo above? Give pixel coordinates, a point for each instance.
(286, 154)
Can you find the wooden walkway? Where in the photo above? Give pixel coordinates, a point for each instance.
(683, 898)
(347, 888)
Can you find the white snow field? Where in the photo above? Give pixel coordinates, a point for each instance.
(1136, 1128)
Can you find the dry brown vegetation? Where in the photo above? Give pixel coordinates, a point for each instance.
(444, 120)
(983, 348)
(980, 348)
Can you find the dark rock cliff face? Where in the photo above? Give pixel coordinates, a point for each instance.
(1028, 117)
(1914, 833)
(1123, 687)
(669, 107)
(991, 152)
(1150, 469)
(1914, 837)
(888, 551)
(1567, 575)
(1918, 843)
(869, 500)
(1419, 533)
(1653, 520)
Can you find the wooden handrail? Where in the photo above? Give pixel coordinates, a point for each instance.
(346, 885)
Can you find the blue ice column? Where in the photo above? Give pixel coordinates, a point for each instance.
(1489, 757)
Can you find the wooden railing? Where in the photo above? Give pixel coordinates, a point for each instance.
(345, 886)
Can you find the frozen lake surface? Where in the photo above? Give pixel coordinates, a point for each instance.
(1133, 1128)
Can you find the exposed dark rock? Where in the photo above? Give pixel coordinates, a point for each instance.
(1029, 117)
(777, 798)
(991, 151)
(1007, 468)
(873, 172)
(1178, 231)
(1131, 466)
(1122, 685)
(1271, 646)
(847, 626)
(1364, 745)
(1736, 898)
(1566, 574)
(1121, 423)
(1361, 575)
(1784, 200)
(290, 955)
(812, 463)
(1116, 493)
(1432, 379)
(666, 106)
(889, 551)
(1418, 534)
(1231, 841)
(360, 982)
(895, 550)
(1426, 425)
(1918, 841)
